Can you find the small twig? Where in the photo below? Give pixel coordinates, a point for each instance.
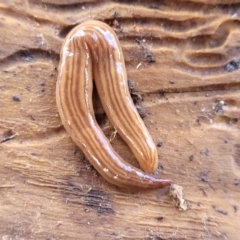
(113, 135)
(7, 138)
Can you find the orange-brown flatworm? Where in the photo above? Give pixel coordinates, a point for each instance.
(92, 51)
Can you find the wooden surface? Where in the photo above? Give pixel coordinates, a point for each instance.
(184, 59)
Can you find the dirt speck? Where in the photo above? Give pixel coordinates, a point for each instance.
(176, 194)
(16, 98)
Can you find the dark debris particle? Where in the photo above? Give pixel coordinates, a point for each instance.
(235, 208)
(219, 210)
(115, 14)
(153, 7)
(75, 188)
(204, 192)
(28, 88)
(233, 121)
(159, 144)
(163, 95)
(142, 111)
(16, 98)
(138, 41)
(204, 176)
(116, 23)
(233, 65)
(114, 234)
(74, 152)
(160, 218)
(150, 57)
(160, 166)
(156, 237)
(191, 158)
(237, 182)
(32, 117)
(26, 55)
(219, 107)
(99, 201)
(136, 97)
(131, 85)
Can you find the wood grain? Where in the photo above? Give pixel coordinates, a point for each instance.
(184, 60)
